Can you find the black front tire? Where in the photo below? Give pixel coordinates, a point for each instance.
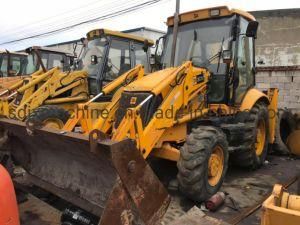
(42, 114)
(193, 165)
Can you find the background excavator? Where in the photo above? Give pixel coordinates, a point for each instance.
(197, 109)
(16, 65)
(48, 95)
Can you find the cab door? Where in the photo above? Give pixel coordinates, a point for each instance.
(141, 56)
(245, 72)
(118, 60)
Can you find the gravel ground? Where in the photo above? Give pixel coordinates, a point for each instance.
(247, 188)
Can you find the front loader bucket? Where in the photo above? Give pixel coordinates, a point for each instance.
(109, 179)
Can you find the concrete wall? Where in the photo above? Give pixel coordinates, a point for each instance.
(278, 42)
(278, 46)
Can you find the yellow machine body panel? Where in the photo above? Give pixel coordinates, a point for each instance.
(251, 97)
(281, 208)
(151, 81)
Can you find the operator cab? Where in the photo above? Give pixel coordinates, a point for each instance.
(109, 54)
(46, 58)
(221, 40)
(12, 63)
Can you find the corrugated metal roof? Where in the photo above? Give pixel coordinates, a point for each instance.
(143, 28)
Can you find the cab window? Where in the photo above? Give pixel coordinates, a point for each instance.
(31, 64)
(4, 66)
(141, 57)
(245, 62)
(55, 60)
(45, 60)
(15, 66)
(118, 61)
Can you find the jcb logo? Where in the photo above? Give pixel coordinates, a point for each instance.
(132, 100)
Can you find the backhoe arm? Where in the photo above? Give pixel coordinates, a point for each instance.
(104, 123)
(48, 89)
(183, 85)
(18, 85)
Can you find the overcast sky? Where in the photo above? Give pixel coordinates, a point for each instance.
(23, 18)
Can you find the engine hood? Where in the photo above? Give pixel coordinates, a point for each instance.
(149, 82)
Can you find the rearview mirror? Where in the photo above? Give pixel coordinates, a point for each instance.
(94, 59)
(252, 29)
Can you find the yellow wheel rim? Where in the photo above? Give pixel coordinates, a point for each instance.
(53, 123)
(260, 137)
(215, 166)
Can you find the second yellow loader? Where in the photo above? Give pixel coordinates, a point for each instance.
(15, 66)
(50, 94)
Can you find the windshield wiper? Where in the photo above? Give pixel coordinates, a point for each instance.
(212, 58)
(220, 54)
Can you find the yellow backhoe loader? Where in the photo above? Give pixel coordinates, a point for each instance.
(16, 65)
(47, 95)
(199, 108)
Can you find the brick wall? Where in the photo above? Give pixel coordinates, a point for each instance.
(288, 83)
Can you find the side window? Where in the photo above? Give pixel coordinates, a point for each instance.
(31, 64)
(141, 57)
(4, 66)
(45, 60)
(15, 65)
(118, 61)
(55, 60)
(244, 62)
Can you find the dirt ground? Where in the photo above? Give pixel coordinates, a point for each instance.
(245, 187)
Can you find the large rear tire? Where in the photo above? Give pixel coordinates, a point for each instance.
(203, 163)
(50, 116)
(256, 140)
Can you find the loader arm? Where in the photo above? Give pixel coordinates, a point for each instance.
(56, 83)
(17, 87)
(178, 97)
(104, 123)
(22, 88)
